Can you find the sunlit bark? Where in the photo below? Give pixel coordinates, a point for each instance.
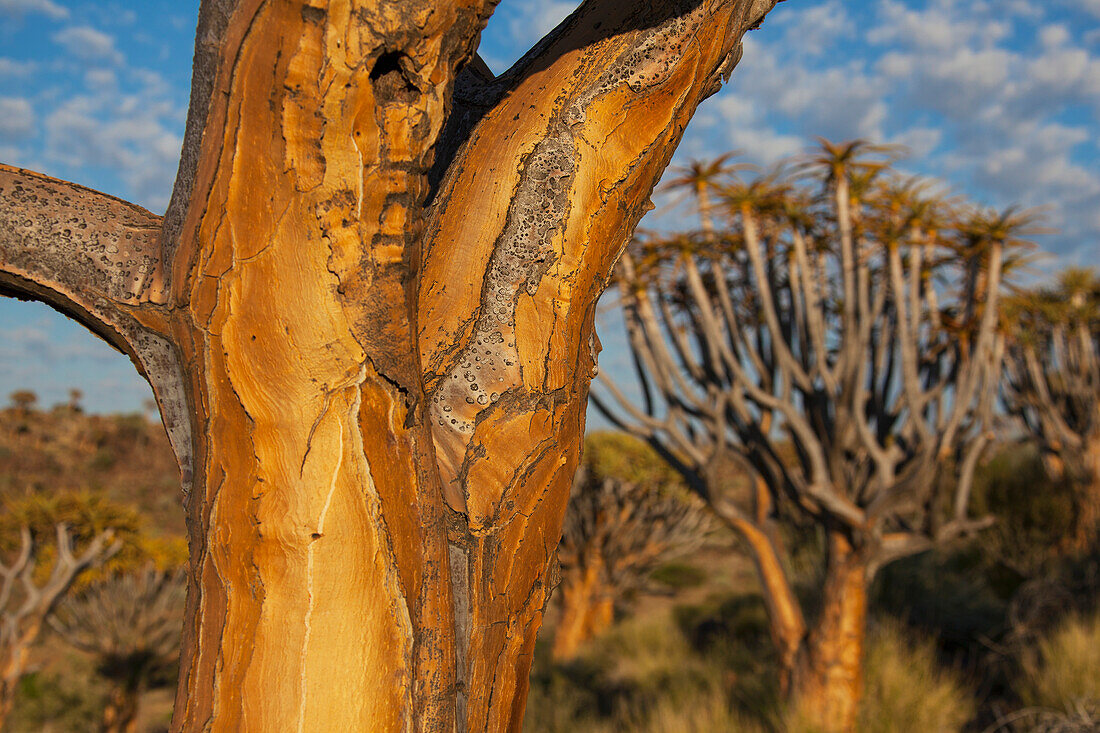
(367, 317)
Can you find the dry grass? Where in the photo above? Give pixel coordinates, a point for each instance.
(907, 690)
(1065, 669)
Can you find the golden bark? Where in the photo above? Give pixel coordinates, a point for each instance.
(828, 679)
(12, 672)
(587, 609)
(785, 621)
(377, 404)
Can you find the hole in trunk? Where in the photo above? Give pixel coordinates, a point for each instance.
(391, 85)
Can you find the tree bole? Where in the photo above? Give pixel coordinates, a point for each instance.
(587, 609)
(376, 398)
(828, 676)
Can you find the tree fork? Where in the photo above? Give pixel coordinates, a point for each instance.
(376, 406)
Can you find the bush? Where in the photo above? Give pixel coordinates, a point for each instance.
(958, 594)
(1064, 671)
(1033, 512)
(48, 701)
(647, 675)
(679, 575)
(705, 711)
(906, 690)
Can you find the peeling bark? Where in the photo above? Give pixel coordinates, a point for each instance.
(377, 406)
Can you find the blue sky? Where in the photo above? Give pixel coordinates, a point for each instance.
(998, 98)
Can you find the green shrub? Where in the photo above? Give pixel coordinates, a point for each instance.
(1032, 511)
(959, 594)
(70, 703)
(679, 575)
(103, 460)
(1064, 670)
(652, 675)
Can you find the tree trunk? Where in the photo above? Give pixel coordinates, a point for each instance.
(587, 609)
(828, 680)
(120, 713)
(14, 665)
(1086, 523)
(786, 624)
(10, 675)
(376, 403)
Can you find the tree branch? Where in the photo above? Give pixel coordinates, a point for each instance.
(96, 259)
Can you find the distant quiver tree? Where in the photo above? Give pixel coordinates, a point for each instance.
(1052, 385)
(838, 337)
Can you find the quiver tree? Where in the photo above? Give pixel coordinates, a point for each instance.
(832, 341)
(620, 525)
(46, 548)
(130, 623)
(1052, 385)
(367, 318)
(23, 400)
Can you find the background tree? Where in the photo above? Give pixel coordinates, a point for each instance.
(627, 514)
(1052, 385)
(50, 541)
(23, 400)
(376, 399)
(130, 623)
(75, 397)
(830, 341)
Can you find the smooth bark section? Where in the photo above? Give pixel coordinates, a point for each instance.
(294, 272)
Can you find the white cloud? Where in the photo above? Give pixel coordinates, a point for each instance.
(135, 133)
(100, 79)
(88, 44)
(538, 19)
(45, 7)
(16, 118)
(817, 27)
(1089, 6)
(131, 134)
(11, 68)
(989, 95)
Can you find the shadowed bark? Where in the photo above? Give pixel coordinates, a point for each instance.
(377, 403)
